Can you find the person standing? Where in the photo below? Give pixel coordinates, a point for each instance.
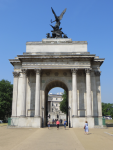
(65, 122)
(48, 124)
(86, 127)
(57, 123)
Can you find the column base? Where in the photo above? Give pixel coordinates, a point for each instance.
(22, 116)
(26, 122)
(79, 122)
(74, 116)
(89, 116)
(37, 116)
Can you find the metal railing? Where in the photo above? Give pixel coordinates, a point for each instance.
(13, 121)
(99, 121)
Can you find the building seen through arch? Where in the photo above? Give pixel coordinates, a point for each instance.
(53, 109)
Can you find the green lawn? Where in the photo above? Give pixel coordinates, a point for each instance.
(3, 124)
(109, 121)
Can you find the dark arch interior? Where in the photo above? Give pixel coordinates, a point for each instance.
(51, 85)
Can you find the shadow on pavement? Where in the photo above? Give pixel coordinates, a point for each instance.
(109, 125)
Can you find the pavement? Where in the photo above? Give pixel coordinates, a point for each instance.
(53, 139)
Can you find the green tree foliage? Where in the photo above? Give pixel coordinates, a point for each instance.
(107, 109)
(6, 90)
(64, 103)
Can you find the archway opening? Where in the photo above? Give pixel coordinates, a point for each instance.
(54, 97)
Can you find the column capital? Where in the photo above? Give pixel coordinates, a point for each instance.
(97, 73)
(16, 74)
(88, 70)
(24, 71)
(37, 71)
(74, 70)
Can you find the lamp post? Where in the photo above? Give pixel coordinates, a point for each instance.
(42, 117)
(69, 108)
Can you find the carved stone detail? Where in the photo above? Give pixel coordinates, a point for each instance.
(88, 70)
(56, 73)
(16, 74)
(24, 71)
(65, 73)
(47, 73)
(97, 73)
(37, 71)
(74, 70)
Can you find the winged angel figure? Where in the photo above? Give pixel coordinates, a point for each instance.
(56, 32)
(58, 18)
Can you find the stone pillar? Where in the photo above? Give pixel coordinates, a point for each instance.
(74, 93)
(88, 91)
(37, 94)
(98, 87)
(51, 105)
(23, 100)
(15, 94)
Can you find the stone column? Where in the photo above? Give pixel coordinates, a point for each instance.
(15, 93)
(51, 105)
(88, 91)
(37, 94)
(74, 93)
(97, 74)
(23, 100)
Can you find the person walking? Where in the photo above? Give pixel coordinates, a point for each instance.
(48, 124)
(86, 127)
(65, 122)
(53, 121)
(57, 123)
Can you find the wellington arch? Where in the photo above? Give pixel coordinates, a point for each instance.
(51, 63)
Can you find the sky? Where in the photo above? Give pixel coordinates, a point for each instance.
(84, 20)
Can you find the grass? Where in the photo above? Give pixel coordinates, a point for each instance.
(109, 121)
(3, 124)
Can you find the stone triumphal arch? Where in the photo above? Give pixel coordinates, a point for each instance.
(56, 63)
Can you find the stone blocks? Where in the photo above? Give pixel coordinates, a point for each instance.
(80, 122)
(30, 122)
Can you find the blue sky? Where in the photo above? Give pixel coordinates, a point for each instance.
(84, 20)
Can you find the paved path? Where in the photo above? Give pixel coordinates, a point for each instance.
(44, 139)
(51, 139)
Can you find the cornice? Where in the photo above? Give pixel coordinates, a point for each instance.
(15, 61)
(56, 57)
(98, 61)
(23, 57)
(56, 42)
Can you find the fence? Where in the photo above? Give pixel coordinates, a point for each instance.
(13, 121)
(99, 121)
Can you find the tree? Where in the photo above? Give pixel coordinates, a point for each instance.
(6, 90)
(64, 103)
(107, 109)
